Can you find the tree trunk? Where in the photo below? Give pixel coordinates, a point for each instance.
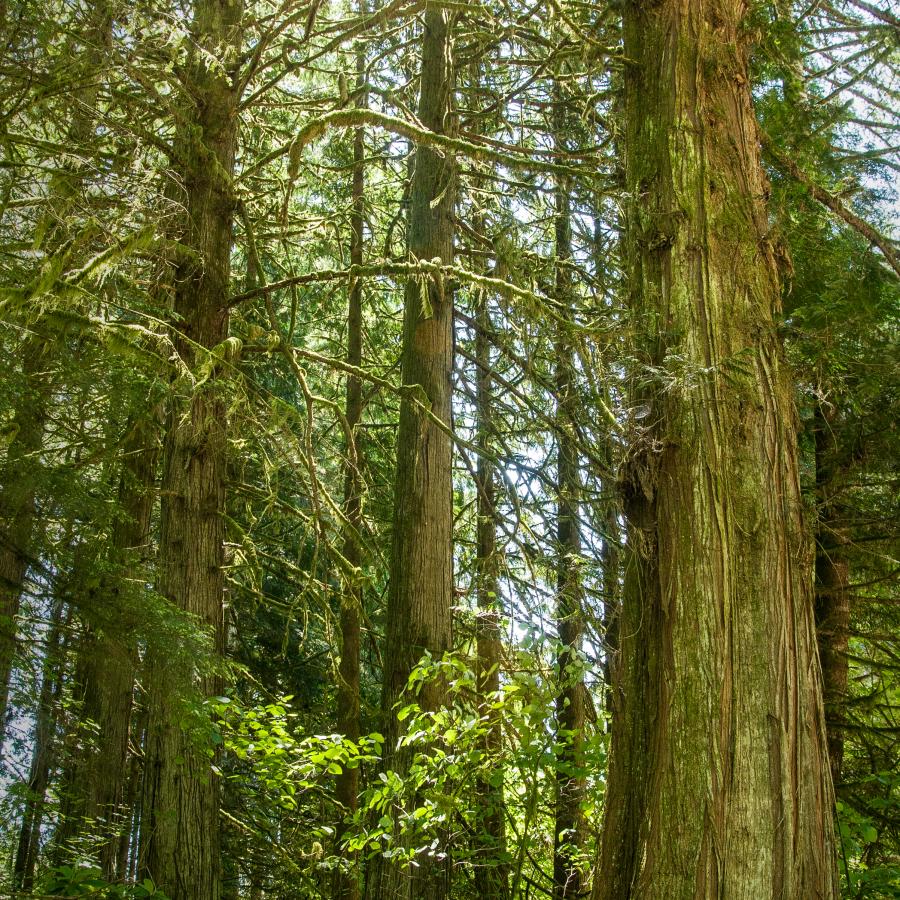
(569, 827)
(93, 792)
(832, 589)
(346, 884)
(180, 807)
(128, 863)
(610, 557)
(719, 782)
(44, 752)
(421, 575)
(491, 874)
(17, 508)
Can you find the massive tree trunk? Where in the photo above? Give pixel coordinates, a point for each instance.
(421, 576)
(93, 793)
(569, 827)
(832, 587)
(346, 885)
(180, 808)
(719, 782)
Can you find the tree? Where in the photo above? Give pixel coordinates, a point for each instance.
(421, 574)
(491, 875)
(569, 828)
(43, 760)
(347, 788)
(180, 805)
(719, 770)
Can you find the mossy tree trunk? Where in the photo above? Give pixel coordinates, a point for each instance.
(420, 593)
(719, 782)
(180, 806)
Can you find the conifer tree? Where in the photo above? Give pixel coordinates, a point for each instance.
(180, 805)
(421, 576)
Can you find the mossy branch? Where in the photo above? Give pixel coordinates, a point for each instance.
(788, 167)
(395, 268)
(354, 118)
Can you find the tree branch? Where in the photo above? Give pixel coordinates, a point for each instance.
(788, 167)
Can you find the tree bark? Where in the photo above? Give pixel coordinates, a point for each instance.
(421, 574)
(719, 782)
(180, 806)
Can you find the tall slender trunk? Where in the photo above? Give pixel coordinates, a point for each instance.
(421, 575)
(346, 885)
(17, 508)
(832, 588)
(569, 825)
(129, 845)
(93, 791)
(719, 782)
(610, 581)
(180, 807)
(491, 875)
(44, 751)
(610, 557)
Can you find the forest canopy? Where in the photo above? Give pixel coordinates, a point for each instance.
(449, 449)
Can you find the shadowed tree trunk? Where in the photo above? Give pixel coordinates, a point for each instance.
(17, 510)
(93, 792)
(492, 875)
(832, 587)
(569, 827)
(610, 557)
(44, 754)
(180, 805)
(420, 593)
(346, 883)
(719, 782)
